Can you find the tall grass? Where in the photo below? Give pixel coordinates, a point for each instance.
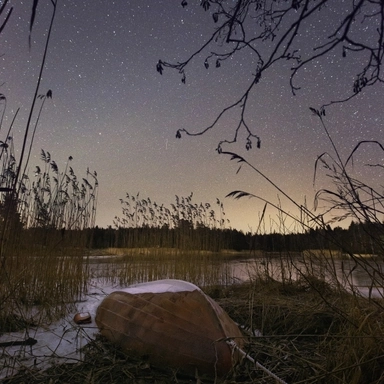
(41, 216)
(43, 242)
(343, 326)
(184, 225)
(347, 197)
(131, 266)
(138, 212)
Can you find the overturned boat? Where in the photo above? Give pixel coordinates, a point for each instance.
(172, 323)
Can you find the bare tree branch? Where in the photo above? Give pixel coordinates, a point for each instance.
(272, 31)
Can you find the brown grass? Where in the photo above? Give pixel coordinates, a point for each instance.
(310, 332)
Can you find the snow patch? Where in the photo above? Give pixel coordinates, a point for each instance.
(161, 286)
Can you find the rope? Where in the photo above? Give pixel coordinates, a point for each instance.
(258, 365)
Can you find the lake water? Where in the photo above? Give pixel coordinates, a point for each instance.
(363, 275)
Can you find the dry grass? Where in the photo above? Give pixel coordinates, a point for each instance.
(40, 285)
(42, 238)
(310, 332)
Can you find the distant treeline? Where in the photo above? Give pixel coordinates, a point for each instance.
(358, 238)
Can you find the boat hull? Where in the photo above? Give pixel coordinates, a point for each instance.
(185, 330)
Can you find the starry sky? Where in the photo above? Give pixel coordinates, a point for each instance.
(112, 112)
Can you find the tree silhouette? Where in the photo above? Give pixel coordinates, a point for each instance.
(297, 31)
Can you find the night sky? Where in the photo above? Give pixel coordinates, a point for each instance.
(112, 112)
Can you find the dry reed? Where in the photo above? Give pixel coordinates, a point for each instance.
(42, 242)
